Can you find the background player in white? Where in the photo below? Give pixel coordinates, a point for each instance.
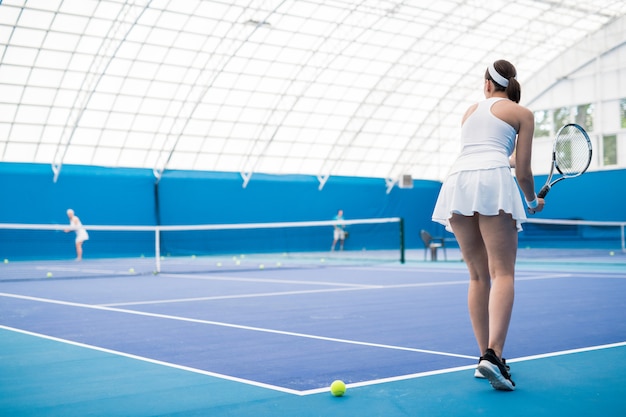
(339, 231)
(81, 233)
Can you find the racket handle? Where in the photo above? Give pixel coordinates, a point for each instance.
(544, 191)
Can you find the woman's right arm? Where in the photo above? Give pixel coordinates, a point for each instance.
(523, 157)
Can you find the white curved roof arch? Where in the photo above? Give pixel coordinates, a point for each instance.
(327, 87)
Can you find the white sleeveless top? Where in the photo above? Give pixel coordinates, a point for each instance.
(487, 141)
(480, 179)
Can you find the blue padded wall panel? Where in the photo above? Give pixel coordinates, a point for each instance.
(593, 196)
(99, 196)
(118, 196)
(218, 198)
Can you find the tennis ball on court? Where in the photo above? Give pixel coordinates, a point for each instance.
(219, 264)
(338, 388)
(612, 253)
(6, 261)
(193, 256)
(261, 266)
(131, 270)
(49, 274)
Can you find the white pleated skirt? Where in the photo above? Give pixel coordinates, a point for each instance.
(484, 191)
(81, 235)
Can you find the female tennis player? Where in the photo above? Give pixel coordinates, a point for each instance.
(481, 204)
(81, 233)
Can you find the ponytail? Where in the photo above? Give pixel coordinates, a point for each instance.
(513, 90)
(506, 73)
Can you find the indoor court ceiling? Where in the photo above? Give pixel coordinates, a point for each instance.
(322, 87)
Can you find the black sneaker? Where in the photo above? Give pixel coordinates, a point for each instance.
(495, 371)
(477, 373)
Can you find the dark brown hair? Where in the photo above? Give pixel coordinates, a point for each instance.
(508, 71)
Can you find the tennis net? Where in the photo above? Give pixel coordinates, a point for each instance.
(575, 234)
(122, 250)
(573, 242)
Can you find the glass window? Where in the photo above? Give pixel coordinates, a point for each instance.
(609, 147)
(584, 116)
(543, 127)
(622, 108)
(561, 117)
(581, 115)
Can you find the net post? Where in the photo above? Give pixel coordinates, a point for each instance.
(401, 240)
(157, 249)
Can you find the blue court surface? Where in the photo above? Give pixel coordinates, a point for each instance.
(107, 338)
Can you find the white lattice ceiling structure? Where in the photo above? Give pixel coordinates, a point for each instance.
(323, 87)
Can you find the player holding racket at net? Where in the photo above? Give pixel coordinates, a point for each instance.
(480, 203)
(81, 233)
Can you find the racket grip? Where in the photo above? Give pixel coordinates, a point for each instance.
(544, 191)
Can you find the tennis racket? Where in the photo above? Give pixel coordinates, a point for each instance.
(571, 155)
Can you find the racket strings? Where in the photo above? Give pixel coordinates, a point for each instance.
(572, 153)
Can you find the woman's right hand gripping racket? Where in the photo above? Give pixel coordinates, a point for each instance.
(571, 155)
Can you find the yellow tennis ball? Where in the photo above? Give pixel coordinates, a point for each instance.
(612, 253)
(261, 266)
(6, 261)
(49, 274)
(131, 270)
(338, 388)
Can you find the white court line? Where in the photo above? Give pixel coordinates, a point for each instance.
(229, 297)
(410, 268)
(234, 326)
(466, 281)
(542, 276)
(267, 280)
(468, 367)
(343, 287)
(82, 270)
(594, 275)
(567, 352)
(311, 391)
(154, 361)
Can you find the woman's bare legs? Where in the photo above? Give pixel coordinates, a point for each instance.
(470, 240)
(489, 247)
(79, 251)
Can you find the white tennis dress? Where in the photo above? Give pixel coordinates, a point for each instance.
(480, 180)
(81, 232)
